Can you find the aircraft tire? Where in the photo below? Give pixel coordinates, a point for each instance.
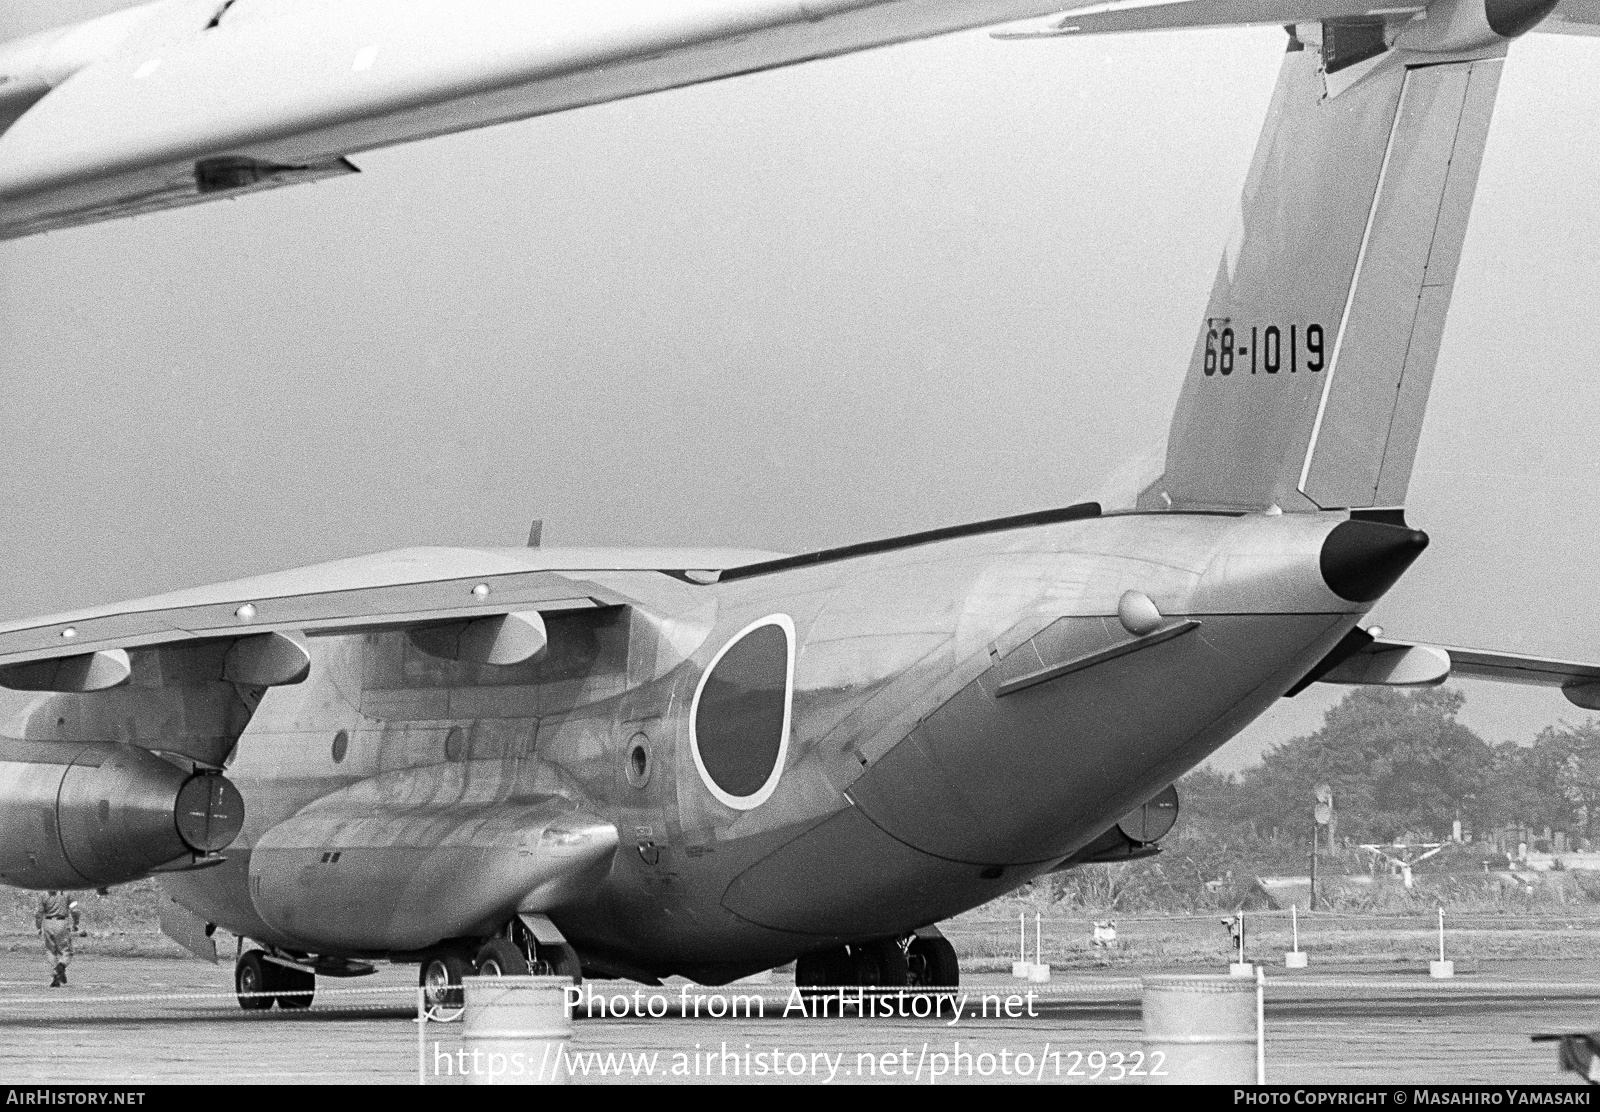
(881, 963)
(562, 961)
(499, 957)
(250, 977)
(933, 963)
(821, 969)
(440, 977)
(294, 987)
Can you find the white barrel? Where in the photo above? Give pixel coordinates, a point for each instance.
(1204, 1029)
(515, 1030)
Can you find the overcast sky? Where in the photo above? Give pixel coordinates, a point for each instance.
(917, 286)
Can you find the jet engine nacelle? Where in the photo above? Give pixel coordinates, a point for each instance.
(1460, 25)
(89, 816)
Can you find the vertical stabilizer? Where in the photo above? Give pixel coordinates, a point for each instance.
(1308, 382)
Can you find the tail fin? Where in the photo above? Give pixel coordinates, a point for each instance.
(1307, 385)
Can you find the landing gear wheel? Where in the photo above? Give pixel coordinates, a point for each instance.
(880, 963)
(440, 978)
(821, 969)
(250, 982)
(499, 957)
(293, 988)
(933, 964)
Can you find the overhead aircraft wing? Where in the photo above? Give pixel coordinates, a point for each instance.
(182, 101)
(1579, 17)
(188, 100)
(394, 590)
(1144, 15)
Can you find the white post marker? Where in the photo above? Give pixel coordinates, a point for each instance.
(1040, 971)
(1022, 967)
(1261, 1026)
(1441, 969)
(1295, 958)
(1241, 968)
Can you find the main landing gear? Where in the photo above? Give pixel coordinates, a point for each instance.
(924, 960)
(511, 954)
(261, 982)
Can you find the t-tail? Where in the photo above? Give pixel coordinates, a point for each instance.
(1311, 372)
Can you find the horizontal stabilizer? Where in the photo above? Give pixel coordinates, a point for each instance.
(1411, 663)
(1392, 664)
(1579, 682)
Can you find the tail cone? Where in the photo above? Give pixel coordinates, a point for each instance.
(1363, 559)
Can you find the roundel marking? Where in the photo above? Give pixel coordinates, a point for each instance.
(739, 720)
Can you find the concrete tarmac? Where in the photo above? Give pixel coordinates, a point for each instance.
(132, 1021)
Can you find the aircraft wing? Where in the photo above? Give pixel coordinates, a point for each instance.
(407, 589)
(187, 100)
(182, 101)
(1577, 17)
(1144, 15)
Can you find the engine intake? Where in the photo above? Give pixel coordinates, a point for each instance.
(88, 816)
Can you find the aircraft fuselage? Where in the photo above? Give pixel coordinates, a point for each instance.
(963, 715)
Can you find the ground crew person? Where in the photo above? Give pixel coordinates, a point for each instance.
(56, 919)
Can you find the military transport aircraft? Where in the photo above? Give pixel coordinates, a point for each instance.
(639, 763)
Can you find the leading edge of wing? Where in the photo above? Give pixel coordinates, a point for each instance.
(388, 589)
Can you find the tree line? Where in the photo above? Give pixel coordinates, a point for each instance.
(1401, 767)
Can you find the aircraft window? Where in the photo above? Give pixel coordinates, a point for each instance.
(638, 769)
(739, 725)
(455, 745)
(341, 743)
